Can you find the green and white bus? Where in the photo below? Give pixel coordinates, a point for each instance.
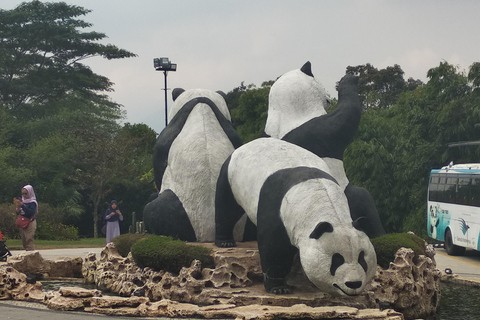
(453, 207)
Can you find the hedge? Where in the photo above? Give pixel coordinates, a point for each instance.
(165, 253)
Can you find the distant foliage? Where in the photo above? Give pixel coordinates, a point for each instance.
(396, 147)
(248, 108)
(387, 246)
(7, 221)
(49, 226)
(165, 253)
(47, 230)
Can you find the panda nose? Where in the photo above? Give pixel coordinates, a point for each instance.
(353, 284)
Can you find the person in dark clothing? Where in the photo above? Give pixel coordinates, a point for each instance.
(112, 218)
(28, 207)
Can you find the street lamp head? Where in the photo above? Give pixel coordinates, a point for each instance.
(164, 64)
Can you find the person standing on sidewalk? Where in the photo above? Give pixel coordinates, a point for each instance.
(112, 218)
(28, 207)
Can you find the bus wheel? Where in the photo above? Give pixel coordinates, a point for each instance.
(452, 249)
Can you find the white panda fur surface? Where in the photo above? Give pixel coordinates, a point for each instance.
(249, 169)
(305, 205)
(188, 95)
(294, 88)
(294, 99)
(194, 161)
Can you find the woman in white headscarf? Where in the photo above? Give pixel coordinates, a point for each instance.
(28, 207)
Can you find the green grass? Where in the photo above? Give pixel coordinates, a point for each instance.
(16, 244)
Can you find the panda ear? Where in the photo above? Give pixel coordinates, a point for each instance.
(222, 94)
(320, 229)
(176, 92)
(357, 223)
(307, 69)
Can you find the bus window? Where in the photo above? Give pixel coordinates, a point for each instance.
(451, 189)
(433, 187)
(475, 192)
(463, 189)
(442, 196)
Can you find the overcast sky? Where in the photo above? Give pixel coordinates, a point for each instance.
(217, 44)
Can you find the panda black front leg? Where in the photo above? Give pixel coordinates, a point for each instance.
(275, 285)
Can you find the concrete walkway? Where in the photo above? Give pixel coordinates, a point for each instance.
(52, 254)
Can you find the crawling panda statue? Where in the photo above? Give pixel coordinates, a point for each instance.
(187, 158)
(298, 206)
(297, 114)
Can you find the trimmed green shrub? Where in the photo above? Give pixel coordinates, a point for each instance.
(386, 246)
(124, 242)
(165, 253)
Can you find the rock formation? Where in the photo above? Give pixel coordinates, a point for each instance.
(410, 285)
(232, 290)
(33, 264)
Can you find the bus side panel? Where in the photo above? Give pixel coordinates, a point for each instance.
(438, 221)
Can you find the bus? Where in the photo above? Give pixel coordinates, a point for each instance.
(453, 207)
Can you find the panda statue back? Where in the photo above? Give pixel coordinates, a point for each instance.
(289, 193)
(187, 158)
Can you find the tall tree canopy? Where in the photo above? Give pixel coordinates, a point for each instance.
(248, 106)
(396, 148)
(41, 50)
(59, 130)
(380, 89)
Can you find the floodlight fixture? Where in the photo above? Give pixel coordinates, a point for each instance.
(164, 64)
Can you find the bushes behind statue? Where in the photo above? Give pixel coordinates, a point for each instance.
(50, 226)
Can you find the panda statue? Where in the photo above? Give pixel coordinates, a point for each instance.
(297, 114)
(187, 158)
(297, 205)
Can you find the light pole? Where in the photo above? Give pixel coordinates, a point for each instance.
(164, 64)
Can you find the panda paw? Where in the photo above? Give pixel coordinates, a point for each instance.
(275, 285)
(281, 290)
(225, 243)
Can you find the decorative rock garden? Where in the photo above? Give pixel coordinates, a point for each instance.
(408, 289)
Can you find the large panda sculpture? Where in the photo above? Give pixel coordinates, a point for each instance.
(297, 114)
(297, 206)
(187, 158)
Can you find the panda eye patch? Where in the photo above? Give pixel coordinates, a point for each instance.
(362, 262)
(320, 229)
(337, 261)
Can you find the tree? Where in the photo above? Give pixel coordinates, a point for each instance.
(53, 107)
(41, 50)
(250, 113)
(396, 148)
(379, 89)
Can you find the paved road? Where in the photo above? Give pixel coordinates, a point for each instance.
(18, 311)
(467, 266)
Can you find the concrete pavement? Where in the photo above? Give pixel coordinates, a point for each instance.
(52, 254)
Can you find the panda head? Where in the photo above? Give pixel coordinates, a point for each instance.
(181, 97)
(295, 98)
(339, 260)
